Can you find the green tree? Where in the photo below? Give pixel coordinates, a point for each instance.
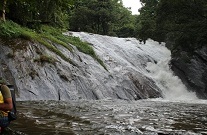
(92, 15)
(183, 21)
(124, 21)
(100, 16)
(146, 21)
(44, 11)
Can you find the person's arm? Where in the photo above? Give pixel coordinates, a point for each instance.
(7, 105)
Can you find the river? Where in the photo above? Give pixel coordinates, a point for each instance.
(111, 117)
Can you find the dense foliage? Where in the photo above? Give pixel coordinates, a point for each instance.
(182, 21)
(186, 22)
(107, 17)
(32, 12)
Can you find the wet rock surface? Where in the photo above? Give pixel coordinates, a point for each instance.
(125, 60)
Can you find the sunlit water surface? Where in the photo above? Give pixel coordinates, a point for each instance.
(111, 117)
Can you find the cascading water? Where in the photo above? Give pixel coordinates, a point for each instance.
(157, 57)
(171, 86)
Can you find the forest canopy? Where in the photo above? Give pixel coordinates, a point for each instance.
(108, 17)
(184, 21)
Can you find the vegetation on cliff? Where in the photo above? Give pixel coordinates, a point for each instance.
(9, 30)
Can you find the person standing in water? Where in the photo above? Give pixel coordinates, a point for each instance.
(6, 104)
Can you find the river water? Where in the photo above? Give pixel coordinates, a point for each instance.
(111, 117)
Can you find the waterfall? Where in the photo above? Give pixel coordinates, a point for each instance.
(171, 86)
(130, 50)
(134, 71)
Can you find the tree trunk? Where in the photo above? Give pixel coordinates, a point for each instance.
(4, 11)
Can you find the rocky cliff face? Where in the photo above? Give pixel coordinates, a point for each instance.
(125, 59)
(191, 67)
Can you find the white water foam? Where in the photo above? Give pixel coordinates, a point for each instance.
(171, 86)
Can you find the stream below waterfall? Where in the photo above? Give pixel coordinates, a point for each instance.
(111, 117)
